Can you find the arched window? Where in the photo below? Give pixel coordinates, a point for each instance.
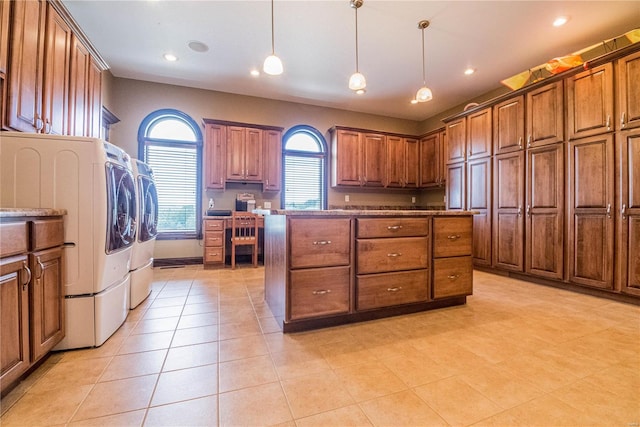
(304, 158)
(171, 143)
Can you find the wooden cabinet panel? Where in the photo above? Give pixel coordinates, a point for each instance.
(392, 227)
(545, 115)
(14, 319)
(346, 158)
(319, 292)
(235, 153)
(508, 223)
(628, 81)
(5, 8)
(46, 233)
(632, 284)
(272, 160)
(590, 102)
(456, 141)
(479, 199)
(590, 218)
(319, 242)
(47, 301)
(214, 156)
(78, 89)
(544, 253)
(13, 238)
(94, 111)
(392, 254)
(253, 154)
(480, 131)
(395, 161)
(412, 163)
(388, 289)
(508, 125)
(452, 236)
(452, 277)
(374, 160)
(430, 155)
(456, 183)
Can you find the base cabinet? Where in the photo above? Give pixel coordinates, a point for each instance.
(31, 294)
(452, 262)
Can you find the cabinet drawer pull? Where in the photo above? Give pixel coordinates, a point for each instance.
(26, 269)
(394, 227)
(394, 254)
(396, 289)
(321, 292)
(453, 276)
(453, 237)
(322, 242)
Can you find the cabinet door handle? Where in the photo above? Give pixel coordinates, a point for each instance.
(608, 122)
(529, 140)
(609, 210)
(394, 227)
(322, 242)
(47, 126)
(38, 123)
(321, 292)
(520, 142)
(396, 289)
(528, 210)
(394, 254)
(26, 269)
(520, 210)
(623, 211)
(453, 276)
(40, 268)
(453, 237)
(623, 119)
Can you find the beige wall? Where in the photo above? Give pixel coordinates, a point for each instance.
(132, 100)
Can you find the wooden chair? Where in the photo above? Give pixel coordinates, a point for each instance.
(244, 232)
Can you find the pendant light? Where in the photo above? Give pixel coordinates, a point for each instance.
(357, 82)
(424, 93)
(273, 64)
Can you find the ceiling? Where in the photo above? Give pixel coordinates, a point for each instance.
(316, 42)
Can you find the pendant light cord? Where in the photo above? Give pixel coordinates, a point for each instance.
(424, 77)
(273, 49)
(357, 71)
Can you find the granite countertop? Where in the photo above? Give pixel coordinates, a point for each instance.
(363, 212)
(22, 212)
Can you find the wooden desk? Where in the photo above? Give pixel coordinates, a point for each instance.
(217, 234)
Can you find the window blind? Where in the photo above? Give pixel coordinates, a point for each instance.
(304, 187)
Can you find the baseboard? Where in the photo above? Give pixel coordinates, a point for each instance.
(176, 262)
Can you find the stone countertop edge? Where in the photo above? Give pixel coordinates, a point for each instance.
(33, 212)
(367, 212)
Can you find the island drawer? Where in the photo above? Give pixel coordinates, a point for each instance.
(392, 227)
(396, 254)
(388, 289)
(452, 277)
(319, 292)
(452, 236)
(213, 254)
(214, 238)
(46, 234)
(319, 242)
(13, 238)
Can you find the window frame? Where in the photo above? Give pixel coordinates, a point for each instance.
(324, 155)
(144, 141)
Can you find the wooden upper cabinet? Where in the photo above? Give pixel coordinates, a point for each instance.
(395, 161)
(629, 91)
(94, 111)
(5, 6)
(430, 160)
(253, 155)
(214, 156)
(590, 102)
(78, 90)
(374, 148)
(412, 163)
(479, 132)
(456, 140)
(545, 115)
(508, 125)
(244, 154)
(346, 158)
(272, 160)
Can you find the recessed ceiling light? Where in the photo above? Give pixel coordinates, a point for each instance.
(560, 21)
(170, 57)
(197, 46)
(469, 71)
(255, 73)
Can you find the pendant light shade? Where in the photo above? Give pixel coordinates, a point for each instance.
(273, 64)
(357, 82)
(424, 93)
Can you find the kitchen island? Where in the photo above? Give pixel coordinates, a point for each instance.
(324, 268)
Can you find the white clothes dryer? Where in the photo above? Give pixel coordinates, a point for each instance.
(92, 180)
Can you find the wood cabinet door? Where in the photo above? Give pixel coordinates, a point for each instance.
(456, 141)
(591, 190)
(26, 65)
(395, 161)
(412, 163)
(442, 170)
(455, 189)
(479, 199)
(508, 125)
(214, 156)
(94, 112)
(272, 160)
(430, 160)
(629, 91)
(544, 252)
(545, 115)
(479, 134)
(374, 161)
(253, 155)
(628, 212)
(78, 89)
(590, 102)
(235, 153)
(508, 222)
(5, 7)
(14, 319)
(346, 158)
(47, 315)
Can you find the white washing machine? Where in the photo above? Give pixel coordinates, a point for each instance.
(142, 251)
(93, 181)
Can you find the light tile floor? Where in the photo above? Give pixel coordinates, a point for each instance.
(204, 349)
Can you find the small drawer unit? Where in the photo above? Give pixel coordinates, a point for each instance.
(214, 232)
(452, 262)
